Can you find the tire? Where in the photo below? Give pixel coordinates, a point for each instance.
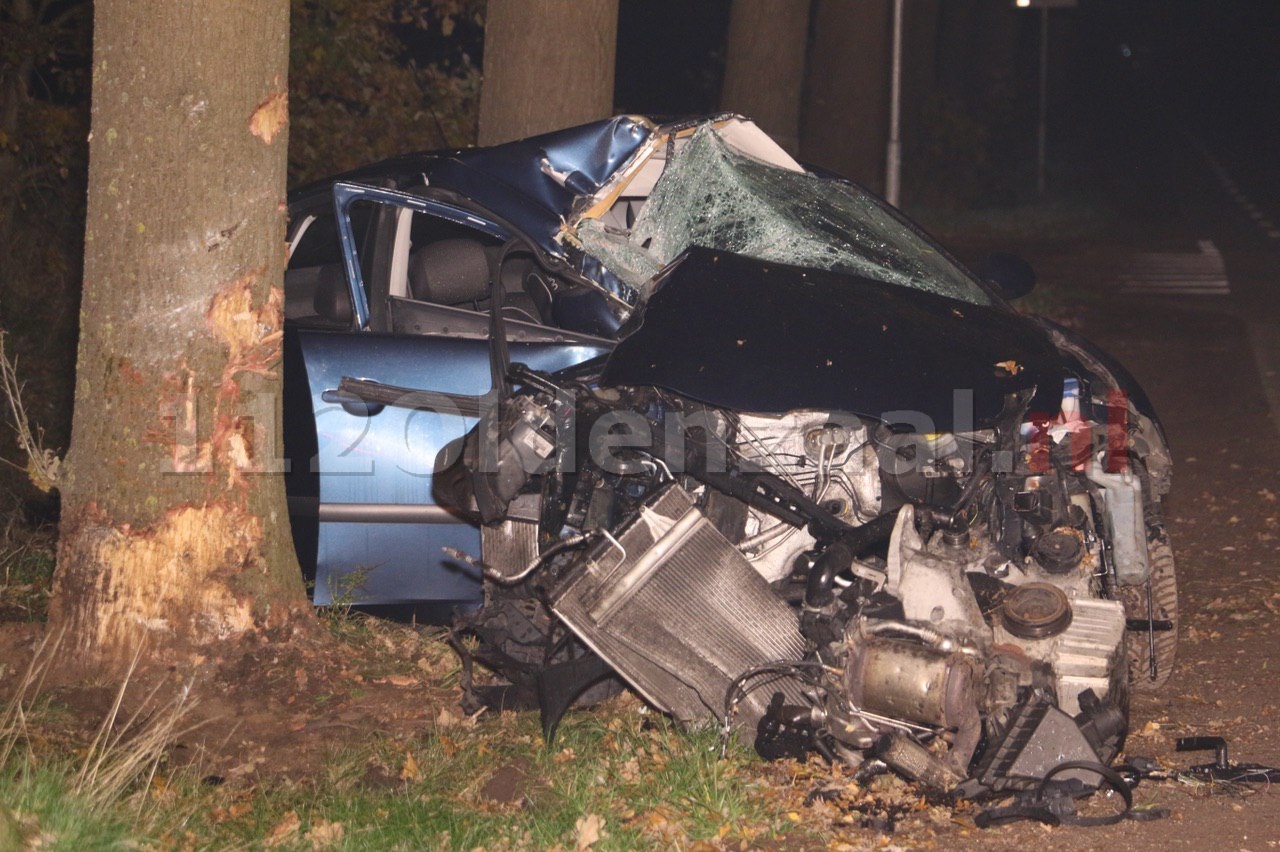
(1163, 587)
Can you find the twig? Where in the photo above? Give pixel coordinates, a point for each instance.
(42, 464)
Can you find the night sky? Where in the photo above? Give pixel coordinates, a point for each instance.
(1197, 52)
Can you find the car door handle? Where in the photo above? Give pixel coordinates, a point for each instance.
(378, 394)
(353, 404)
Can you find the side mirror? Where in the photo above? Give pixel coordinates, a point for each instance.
(1011, 276)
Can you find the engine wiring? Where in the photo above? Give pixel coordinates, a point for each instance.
(577, 540)
(785, 465)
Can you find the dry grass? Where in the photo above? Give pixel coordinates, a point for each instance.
(123, 754)
(43, 464)
(57, 794)
(13, 721)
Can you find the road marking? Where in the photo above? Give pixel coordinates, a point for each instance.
(1233, 189)
(1199, 273)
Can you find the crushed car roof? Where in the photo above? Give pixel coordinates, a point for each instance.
(534, 182)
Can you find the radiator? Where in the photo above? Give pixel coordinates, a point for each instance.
(679, 613)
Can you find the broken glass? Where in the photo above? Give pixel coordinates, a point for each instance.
(711, 195)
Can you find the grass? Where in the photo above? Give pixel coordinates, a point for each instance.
(60, 795)
(47, 815)
(617, 777)
(43, 464)
(26, 574)
(616, 781)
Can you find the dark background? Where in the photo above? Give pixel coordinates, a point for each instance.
(1127, 80)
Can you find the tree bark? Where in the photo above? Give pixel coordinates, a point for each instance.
(764, 68)
(174, 528)
(846, 121)
(547, 64)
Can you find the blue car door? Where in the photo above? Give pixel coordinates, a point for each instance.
(389, 292)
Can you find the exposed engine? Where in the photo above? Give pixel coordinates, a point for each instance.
(946, 605)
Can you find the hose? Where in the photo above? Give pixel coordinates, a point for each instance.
(512, 579)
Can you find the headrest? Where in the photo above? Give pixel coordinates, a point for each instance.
(333, 297)
(449, 272)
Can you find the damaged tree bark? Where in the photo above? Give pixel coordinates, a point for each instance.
(174, 531)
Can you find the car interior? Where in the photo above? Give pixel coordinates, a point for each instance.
(435, 278)
(432, 274)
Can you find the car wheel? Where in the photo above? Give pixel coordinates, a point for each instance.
(1157, 600)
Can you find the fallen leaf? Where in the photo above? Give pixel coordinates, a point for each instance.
(410, 771)
(233, 811)
(590, 829)
(325, 834)
(283, 830)
(1011, 367)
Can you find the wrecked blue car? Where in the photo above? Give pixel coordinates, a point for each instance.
(657, 403)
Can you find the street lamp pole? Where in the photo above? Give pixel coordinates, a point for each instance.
(1042, 129)
(1042, 125)
(893, 156)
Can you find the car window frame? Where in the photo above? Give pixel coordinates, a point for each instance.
(304, 215)
(346, 193)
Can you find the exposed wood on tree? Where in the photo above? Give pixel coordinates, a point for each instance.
(547, 64)
(765, 65)
(175, 530)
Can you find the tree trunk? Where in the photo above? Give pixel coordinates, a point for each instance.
(764, 69)
(174, 526)
(846, 121)
(547, 64)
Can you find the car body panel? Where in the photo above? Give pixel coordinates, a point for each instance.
(366, 525)
(378, 517)
(512, 178)
(830, 341)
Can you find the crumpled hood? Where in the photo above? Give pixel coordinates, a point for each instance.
(751, 336)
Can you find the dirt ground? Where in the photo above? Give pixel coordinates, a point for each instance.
(265, 708)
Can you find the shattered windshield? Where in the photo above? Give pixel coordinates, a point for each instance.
(712, 196)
